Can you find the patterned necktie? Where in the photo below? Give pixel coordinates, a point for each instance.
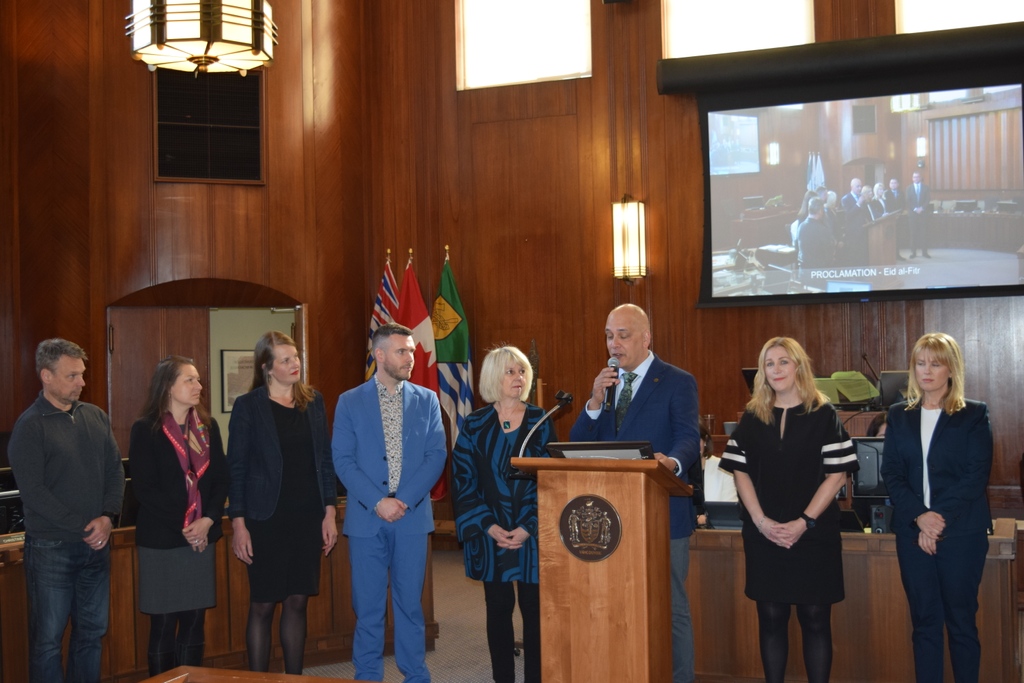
(624, 398)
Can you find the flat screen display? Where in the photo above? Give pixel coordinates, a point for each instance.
(733, 146)
(601, 450)
(947, 219)
(867, 481)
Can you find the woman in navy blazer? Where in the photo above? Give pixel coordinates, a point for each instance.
(282, 498)
(936, 462)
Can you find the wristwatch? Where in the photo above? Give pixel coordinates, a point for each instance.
(810, 520)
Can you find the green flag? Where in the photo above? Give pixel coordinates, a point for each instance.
(451, 332)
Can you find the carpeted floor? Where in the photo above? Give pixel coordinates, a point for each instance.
(460, 653)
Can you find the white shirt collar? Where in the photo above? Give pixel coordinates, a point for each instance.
(641, 369)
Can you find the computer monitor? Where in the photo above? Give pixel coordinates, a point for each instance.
(748, 376)
(723, 514)
(602, 450)
(892, 387)
(965, 205)
(867, 481)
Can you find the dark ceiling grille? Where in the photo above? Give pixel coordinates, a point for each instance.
(208, 125)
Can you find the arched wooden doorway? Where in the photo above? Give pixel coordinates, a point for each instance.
(174, 318)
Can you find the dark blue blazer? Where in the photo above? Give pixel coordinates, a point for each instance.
(255, 461)
(664, 412)
(361, 460)
(959, 462)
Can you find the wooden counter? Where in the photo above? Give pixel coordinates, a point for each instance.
(330, 620)
(870, 629)
(195, 674)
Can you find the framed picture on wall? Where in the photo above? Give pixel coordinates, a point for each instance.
(236, 368)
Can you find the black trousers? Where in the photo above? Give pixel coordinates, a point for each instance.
(501, 601)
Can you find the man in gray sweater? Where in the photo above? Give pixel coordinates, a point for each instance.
(68, 469)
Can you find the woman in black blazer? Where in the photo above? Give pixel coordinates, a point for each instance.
(936, 463)
(283, 497)
(180, 478)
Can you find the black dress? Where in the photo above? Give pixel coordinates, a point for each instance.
(287, 546)
(786, 472)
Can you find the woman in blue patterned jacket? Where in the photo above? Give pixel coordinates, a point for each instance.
(496, 517)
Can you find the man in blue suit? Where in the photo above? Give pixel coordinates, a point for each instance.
(919, 209)
(655, 402)
(389, 450)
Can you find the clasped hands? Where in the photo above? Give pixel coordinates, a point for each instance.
(98, 531)
(509, 540)
(931, 524)
(197, 532)
(390, 509)
(784, 535)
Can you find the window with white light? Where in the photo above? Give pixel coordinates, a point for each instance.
(699, 27)
(502, 43)
(917, 16)
(946, 96)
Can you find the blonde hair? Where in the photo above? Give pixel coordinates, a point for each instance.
(762, 400)
(496, 362)
(946, 351)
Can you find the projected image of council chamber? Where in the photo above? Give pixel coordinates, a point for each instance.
(892, 193)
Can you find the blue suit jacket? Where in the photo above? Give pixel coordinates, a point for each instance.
(664, 412)
(361, 462)
(255, 461)
(959, 462)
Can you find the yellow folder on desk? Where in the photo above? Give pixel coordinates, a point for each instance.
(828, 387)
(854, 385)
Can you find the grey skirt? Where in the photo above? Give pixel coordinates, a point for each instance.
(177, 580)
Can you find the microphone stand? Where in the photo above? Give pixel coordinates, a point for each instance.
(563, 399)
(877, 401)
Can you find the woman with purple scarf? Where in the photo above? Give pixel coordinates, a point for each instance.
(179, 474)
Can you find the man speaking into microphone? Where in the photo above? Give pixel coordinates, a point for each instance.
(639, 397)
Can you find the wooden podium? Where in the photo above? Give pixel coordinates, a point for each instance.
(607, 616)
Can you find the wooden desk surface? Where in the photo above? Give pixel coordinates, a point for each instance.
(195, 674)
(871, 628)
(330, 619)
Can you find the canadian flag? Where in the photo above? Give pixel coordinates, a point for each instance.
(412, 313)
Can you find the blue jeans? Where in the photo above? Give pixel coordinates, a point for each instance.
(66, 579)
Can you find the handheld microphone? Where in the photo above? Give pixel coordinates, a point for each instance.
(609, 393)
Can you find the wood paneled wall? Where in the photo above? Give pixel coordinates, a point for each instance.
(370, 147)
(976, 152)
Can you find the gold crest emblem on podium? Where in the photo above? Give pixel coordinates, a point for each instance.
(590, 528)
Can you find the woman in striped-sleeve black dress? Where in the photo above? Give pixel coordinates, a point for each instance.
(790, 455)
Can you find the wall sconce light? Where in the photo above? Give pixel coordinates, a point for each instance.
(629, 241)
(209, 35)
(773, 154)
(922, 148)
